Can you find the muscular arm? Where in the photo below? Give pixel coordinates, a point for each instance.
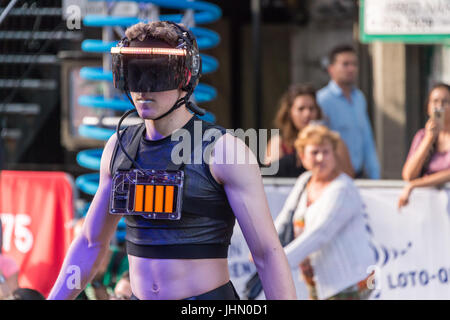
(244, 188)
(87, 250)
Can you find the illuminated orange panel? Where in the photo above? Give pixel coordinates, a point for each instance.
(149, 198)
(139, 198)
(169, 199)
(159, 198)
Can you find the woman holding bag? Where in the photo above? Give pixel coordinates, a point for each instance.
(324, 209)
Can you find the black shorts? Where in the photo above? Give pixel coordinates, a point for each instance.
(225, 292)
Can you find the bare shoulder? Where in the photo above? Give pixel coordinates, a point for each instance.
(232, 160)
(108, 151)
(228, 143)
(110, 145)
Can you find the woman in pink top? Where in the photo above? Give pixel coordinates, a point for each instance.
(428, 162)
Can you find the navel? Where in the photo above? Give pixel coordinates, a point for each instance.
(155, 288)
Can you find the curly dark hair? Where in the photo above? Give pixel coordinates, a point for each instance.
(158, 30)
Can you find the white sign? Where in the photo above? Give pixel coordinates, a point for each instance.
(411, 246)
(392, 17)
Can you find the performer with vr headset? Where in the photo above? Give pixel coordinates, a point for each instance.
(179, 216)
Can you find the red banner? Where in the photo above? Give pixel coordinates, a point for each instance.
(36, 209)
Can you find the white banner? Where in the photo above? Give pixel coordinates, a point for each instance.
(411, 246)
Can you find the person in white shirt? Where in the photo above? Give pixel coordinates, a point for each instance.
(332, 244)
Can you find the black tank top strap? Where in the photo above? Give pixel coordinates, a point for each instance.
(130, 137)
(132, 148)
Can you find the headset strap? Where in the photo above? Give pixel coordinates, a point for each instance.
(177, 104)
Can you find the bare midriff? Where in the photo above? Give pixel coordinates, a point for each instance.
(174, 279)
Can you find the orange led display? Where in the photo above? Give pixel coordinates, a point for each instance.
(168, 206)
(159, 198)
(151, 198)
(139, 198)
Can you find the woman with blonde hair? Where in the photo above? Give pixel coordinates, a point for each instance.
(297, 108)
(331, 243)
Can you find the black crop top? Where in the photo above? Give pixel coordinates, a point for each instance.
(207, 220)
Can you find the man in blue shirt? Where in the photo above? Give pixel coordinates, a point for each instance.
(346, 111)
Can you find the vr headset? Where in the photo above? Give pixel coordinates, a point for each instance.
(137, 67)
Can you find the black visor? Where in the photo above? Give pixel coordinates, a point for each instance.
(150, 66)
(156, 72)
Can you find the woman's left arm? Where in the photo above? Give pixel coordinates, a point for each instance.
(334, 211)
(431, 180)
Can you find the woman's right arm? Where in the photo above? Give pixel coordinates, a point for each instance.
(88, 249)
(335, 211)
(283, 216)
(420, 151)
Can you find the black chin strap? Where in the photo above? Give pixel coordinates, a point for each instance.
(189, 104)
(177, 104)
(184, 100)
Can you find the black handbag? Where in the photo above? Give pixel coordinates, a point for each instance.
(253, 287)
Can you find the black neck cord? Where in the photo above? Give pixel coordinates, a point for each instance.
(189, 104)
(119, 137)
(179, 103)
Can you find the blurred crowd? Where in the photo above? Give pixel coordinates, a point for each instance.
(326, 141)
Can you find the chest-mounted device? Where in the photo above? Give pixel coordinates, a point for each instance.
(150, 193)
(153, 194)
